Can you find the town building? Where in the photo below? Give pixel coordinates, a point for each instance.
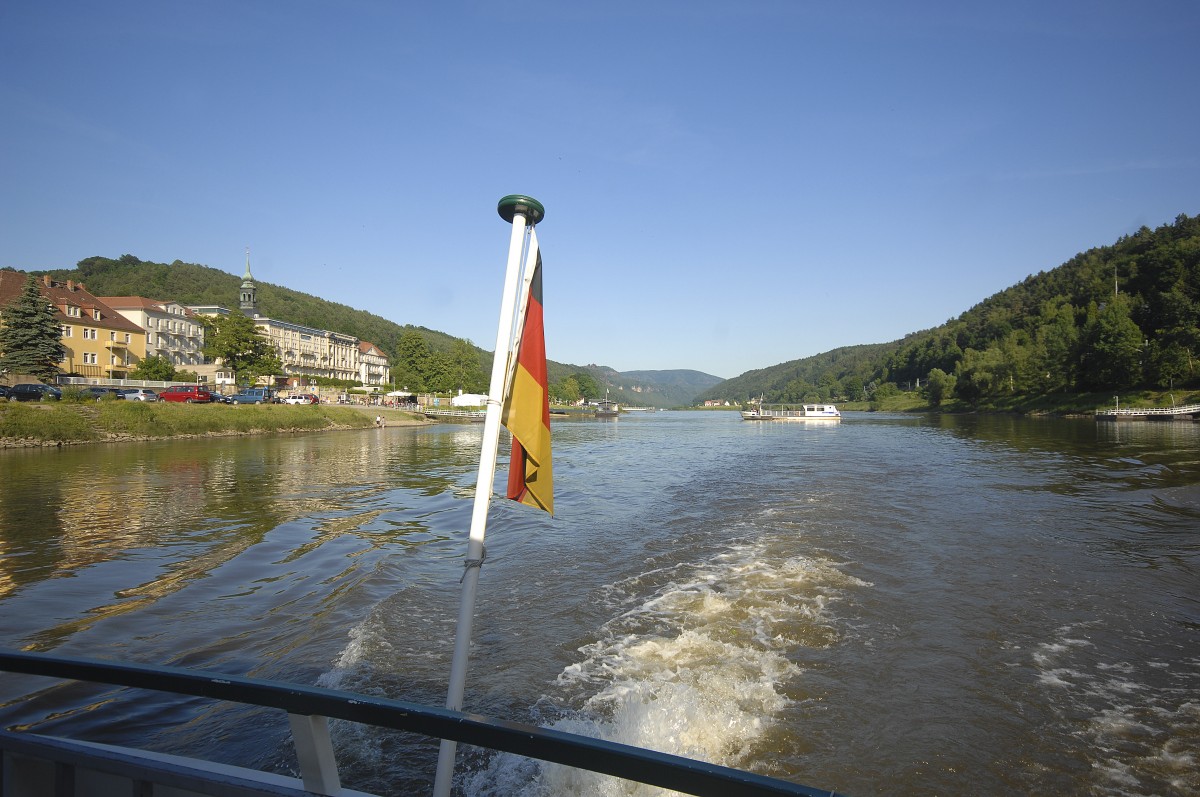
(99, 342)
(173, 332)
(307, 351)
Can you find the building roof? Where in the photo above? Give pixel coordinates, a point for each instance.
(96, 312)
(142, 303)
(370, 348)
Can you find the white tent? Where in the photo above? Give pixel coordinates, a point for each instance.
(469, 400)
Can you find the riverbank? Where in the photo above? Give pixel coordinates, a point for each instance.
(1057, 404)
(70, 423)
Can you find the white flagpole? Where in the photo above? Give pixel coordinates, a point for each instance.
(523, 212)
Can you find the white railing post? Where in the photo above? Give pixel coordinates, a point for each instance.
(318, 767)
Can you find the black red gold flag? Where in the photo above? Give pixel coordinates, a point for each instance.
(527, 409)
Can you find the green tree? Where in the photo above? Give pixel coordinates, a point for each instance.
(463, 368)
(565, 391)
(1112, 353)
(154, 367)
(939, 387)
(30, 335)
(589, 388)
(412, 361)
(236, 341)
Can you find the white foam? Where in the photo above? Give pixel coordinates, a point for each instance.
(698, 668)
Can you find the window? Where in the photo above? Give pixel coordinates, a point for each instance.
(72, 311)
(89, 333)
(66, 331)
(89, 358)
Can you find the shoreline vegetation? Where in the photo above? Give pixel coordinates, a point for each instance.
(39, 424)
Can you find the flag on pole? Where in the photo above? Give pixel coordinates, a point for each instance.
(527, 405)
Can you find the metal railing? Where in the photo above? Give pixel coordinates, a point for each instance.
(1190, 409)
(309, 707)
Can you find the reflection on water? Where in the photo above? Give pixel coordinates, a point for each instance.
(145, 520)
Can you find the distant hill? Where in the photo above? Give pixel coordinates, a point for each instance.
(193, 284)
(677, 388)
(1115, 317)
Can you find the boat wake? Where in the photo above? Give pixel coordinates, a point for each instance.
(700, 668)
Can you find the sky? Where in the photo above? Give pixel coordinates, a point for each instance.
(728, 185)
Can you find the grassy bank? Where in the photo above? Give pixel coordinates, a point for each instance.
(104, 421)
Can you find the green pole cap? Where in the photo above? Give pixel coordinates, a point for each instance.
(513, 204)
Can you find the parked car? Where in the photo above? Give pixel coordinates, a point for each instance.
(98, 392)
(4, 391)
(221, 398)
(189, 394)
(34, 391)
(302, 398)
(255, 395)
(140, 394)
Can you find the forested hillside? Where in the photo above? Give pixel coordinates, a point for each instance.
(1115, 317)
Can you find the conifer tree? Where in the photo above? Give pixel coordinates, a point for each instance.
(30, 335)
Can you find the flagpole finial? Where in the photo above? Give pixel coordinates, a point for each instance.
(513, 204)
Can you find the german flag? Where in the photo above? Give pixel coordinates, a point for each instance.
(527, 409)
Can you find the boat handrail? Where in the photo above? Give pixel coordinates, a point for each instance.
(299, 701)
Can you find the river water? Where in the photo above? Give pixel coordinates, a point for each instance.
(889, 605)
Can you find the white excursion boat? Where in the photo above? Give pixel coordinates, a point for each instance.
(606, 408)
(792, 412)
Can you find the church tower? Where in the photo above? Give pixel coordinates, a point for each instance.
(249, 301)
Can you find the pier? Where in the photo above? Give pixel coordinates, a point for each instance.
(1189, 412)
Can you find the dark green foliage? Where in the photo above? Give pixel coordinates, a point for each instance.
(30, 335)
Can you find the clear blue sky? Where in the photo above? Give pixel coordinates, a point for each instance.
(728, 185)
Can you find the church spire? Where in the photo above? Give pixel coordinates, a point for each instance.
(249, 300)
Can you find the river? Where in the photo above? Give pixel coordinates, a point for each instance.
(889, 605)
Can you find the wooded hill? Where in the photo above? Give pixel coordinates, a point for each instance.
(193, 284)
(1112, 318)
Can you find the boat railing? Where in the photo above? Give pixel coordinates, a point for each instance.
(309, 708)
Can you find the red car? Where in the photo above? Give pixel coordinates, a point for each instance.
(191, 394)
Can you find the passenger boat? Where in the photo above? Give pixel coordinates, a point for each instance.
(792, 412)
(606, 408)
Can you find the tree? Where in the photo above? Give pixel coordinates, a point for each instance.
(565, 391)
(412, 361)
(939, 387)
(1112, 350)
(235, 340)
(30, 335)
(464, 370)
(155, 367)
(588, 387)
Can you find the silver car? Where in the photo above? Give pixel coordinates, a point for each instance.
(140, 394)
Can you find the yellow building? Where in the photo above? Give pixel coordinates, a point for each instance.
(99, 342)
